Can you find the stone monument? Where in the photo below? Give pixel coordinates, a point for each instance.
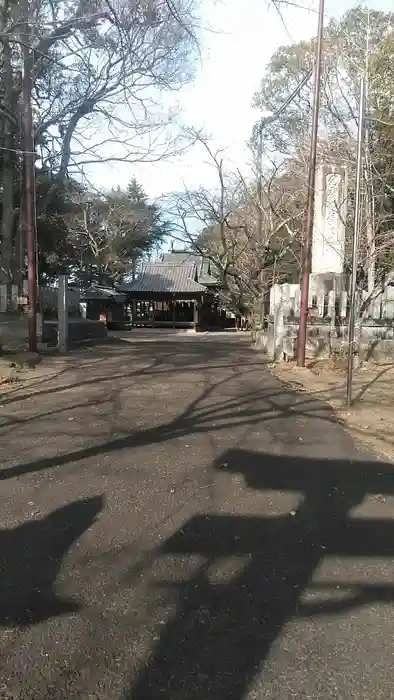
(328, 242)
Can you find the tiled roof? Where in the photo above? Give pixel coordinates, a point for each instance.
(165, 277)
(185, 257)
(94, 292)
(182, 257)
(208, 279)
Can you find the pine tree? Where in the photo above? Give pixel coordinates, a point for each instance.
(135, 193)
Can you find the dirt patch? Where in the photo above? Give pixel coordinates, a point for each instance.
(25, 370)
(22, 371)
(14, 365)
(370, 417)
(21, 360)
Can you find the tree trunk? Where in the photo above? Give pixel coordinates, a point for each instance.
(20, 242)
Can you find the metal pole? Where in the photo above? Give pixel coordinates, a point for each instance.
(260, 209)
(356, 234)
(29, 160)
(259, 182)
(307, 244)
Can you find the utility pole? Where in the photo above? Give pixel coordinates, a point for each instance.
(308, 233)
(356, 235)
(29, 194)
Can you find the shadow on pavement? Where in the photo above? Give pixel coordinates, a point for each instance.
(158, 358)
(30, 558)
(227, 413)
(255, 571)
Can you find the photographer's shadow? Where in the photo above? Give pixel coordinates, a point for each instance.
(30, 558)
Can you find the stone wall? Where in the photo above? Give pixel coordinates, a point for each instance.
(322, 340)
(327, 329)
(79, 330)
(13, 330)
(13, 313)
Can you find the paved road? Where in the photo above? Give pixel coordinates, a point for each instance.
(178, 526)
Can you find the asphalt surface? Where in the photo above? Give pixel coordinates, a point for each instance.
(177, 525)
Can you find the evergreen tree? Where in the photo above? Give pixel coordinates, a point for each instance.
(119, 228)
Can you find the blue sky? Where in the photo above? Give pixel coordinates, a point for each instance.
(234, 52)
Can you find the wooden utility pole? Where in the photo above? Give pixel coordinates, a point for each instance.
(308, 234)
(29, 193)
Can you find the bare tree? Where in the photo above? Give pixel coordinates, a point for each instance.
(108, 65)
(100, 69)
(222, 225)
(102, 74)
(359, 42)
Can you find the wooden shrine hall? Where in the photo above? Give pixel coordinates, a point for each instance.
(167, 294)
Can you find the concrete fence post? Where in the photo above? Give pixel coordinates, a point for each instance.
(62, 314)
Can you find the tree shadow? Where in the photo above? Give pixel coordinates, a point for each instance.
(212, 406)
(372, 381)
(243, 410)
(30, 558)
(102, 380)
(255, 570)
(169, 358)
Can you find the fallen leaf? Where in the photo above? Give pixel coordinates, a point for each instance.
(379, 497)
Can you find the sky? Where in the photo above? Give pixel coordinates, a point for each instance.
(238, 38)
